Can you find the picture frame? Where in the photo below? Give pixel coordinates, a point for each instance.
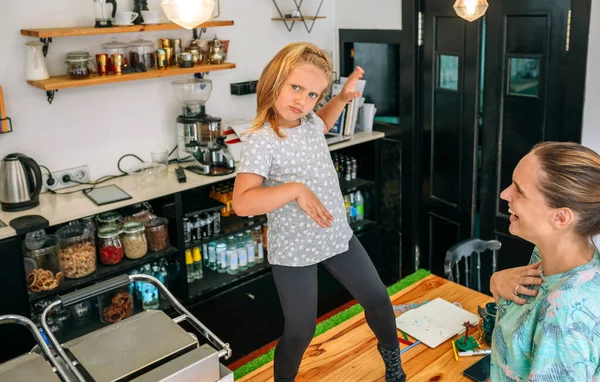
(5, 122)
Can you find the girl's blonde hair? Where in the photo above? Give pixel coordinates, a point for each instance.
(276, 73)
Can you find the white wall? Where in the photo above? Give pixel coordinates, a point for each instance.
(373, 14)
(96, 125)
(591, 111)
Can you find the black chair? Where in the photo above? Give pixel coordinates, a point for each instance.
(464, 250)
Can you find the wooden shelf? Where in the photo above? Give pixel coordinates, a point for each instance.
(297, 18)
(64, 82)
(87, 31)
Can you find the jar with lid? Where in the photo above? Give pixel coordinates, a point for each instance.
(134, 240)
(77, 254)
(142, 51)
(110, 219)
(79, 65)
(115, 47)
(44, 271)
(140, 212)
(110, 249)
(90, 222)
(115, 305)
(157, 233)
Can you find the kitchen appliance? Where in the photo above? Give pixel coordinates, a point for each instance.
(199, 137)
(103, 13)
(20, 182)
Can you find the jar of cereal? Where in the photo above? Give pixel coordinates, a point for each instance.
(134, 240)
(110, 250)
(77, 254)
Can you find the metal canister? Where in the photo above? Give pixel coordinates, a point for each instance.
(117, 63)
(169, 55)
(176, 50)
(165, 43)
(101, 63)
(161, 59)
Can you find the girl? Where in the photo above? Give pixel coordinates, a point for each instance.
(554, 203)
(285, 171)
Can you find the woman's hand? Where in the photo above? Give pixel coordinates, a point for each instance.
(308, 202)
(503, 283)
(348, 92)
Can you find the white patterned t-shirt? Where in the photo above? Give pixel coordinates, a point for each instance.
(294, 238)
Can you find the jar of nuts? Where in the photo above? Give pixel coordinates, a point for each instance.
(134, 240)
(77, 254)
(157, 233)
(110, 250)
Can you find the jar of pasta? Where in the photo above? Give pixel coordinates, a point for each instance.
(134, 240)
(77, 254)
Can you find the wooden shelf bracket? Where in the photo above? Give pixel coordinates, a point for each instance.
(302, 17)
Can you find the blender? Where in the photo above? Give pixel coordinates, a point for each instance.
(199, 140)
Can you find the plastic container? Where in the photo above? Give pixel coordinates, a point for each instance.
(77, 254)
(110, 249)
(134, 240)
(142, 51)
(45, 273)
(157, 234)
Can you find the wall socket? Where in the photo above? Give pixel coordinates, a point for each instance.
(59, 178)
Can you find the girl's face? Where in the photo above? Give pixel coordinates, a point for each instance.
(299, 94)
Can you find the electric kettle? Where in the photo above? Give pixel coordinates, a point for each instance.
(20, 182)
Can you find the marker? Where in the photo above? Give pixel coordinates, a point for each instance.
(405, 342)
(404, 335)
(474, 352)
(454, 351)
(410, 347)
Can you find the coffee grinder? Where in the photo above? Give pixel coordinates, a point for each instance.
(199, 140)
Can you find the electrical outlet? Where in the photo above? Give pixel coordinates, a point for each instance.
(60, 179)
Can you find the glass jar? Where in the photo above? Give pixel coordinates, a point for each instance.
(79, 65)
(134, 240)
(110, 219)
(77, 254)
(142, 51)
(90, 222)
(157, 233)
(115, 47)
(110, 249)
(115, 305)
(141, 212)
(45, 273)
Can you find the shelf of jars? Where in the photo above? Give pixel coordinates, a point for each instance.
(87, 31)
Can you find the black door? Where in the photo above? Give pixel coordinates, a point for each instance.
(526, 66)
(449, 89)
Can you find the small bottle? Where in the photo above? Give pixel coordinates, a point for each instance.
(195, 227)
(187, 232)
(347, 204)
(265, 230)
(221, 251)
(212, 255)
(250, 248)
(348, 168)
(189, 265)
(232, 256)
(242, 252)
(209, 224)
(360, 206)
(216, 222)
(260, 251)
(203, 231)
(352, 208)
(206, 259)
(354, 168)
(149, 292)
(198, 264)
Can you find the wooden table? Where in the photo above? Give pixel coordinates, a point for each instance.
(348, 351)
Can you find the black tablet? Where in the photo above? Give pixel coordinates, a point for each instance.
(479, 371)
(107, 194)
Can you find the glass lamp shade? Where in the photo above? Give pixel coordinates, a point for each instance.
(470, 10)
(188, 13)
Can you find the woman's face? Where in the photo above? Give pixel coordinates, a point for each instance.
(299, 94)
(530, 217)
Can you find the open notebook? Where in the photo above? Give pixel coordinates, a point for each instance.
(435, 322)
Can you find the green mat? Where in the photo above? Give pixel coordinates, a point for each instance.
(333, 321)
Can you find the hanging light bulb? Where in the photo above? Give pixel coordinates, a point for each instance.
(188, 13)
(470, 10)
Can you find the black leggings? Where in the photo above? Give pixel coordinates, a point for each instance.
(297, 288)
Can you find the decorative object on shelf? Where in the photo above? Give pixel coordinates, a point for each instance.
(216, 53)
(5, 122)
(296, 15)
(470, 10)
(102, 13)
(138, 7)
(36, 65)
(188, 13)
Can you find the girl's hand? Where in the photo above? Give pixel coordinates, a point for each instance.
(348, 92)
(308, 202)
(504, 283)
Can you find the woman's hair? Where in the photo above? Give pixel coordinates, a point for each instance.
(571, 179)
(276, 73)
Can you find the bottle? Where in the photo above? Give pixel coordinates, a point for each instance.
(347, 204)
(352, 208)
(189, 265)
(221, 251)
(354, 168)
(187, 232)
(216, 222)
(198, 264)
(260, 251)
(360, 206)
(203, 228)
(212, 255)
(242, 252)
(232, 256)
(206, 258)
(149, 292)
(159, 276)
(367, 203)
(209, 224)
(250, 248)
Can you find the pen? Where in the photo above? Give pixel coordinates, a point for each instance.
(454, 351)
(405, 342)
(474, 352)
(410, 347)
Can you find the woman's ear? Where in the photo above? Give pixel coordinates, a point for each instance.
(563, 218)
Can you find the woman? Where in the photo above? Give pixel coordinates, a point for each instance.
(554, 203)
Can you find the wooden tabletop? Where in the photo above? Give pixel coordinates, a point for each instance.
(348, 351)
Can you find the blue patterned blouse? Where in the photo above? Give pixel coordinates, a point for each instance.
(554, 336)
